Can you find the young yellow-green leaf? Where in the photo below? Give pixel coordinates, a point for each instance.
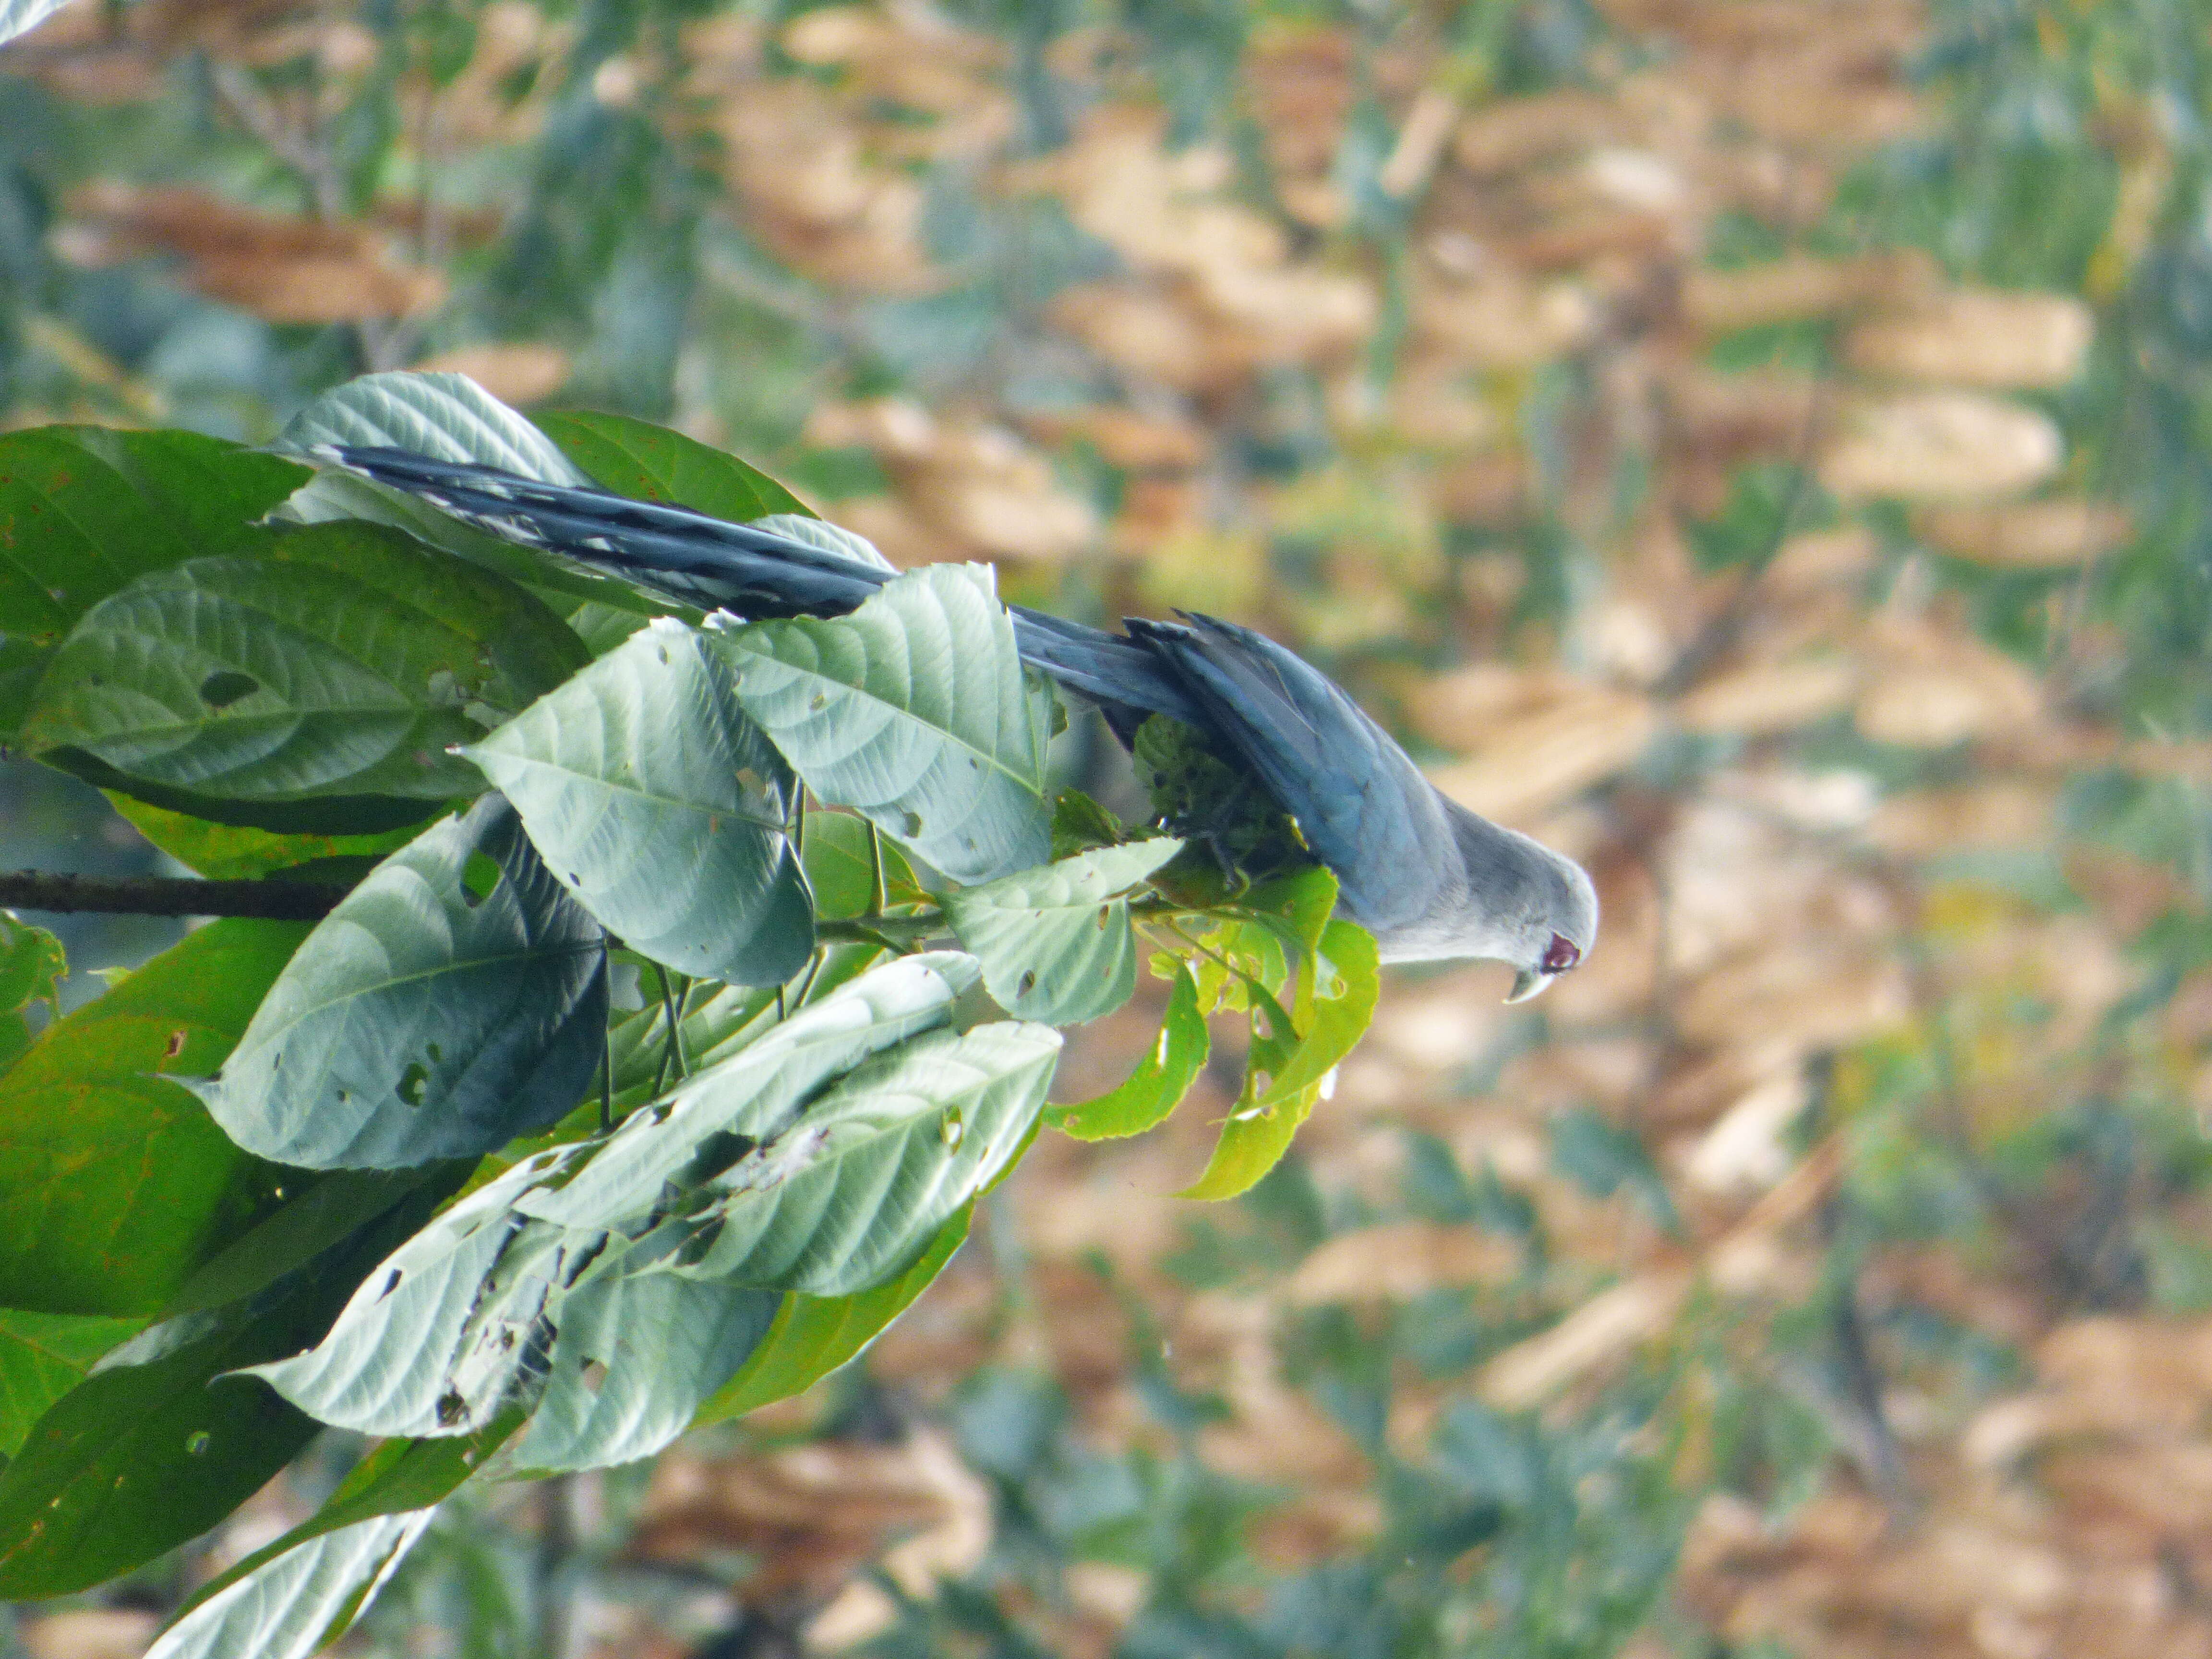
(1163, 1077)
(657, 803)
(335, 660)
(652, 464)
(1290, 1068)
(115, 1184)
(457, 997)
(912, 710)
(1056, 942)
(813, 1335)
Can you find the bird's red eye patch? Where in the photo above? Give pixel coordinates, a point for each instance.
(1561, 954)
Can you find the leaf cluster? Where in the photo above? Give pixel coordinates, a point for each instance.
(637, 1079)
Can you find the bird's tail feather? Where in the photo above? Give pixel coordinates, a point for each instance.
(695, 559)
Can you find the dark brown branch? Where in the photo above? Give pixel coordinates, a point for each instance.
(168, 895)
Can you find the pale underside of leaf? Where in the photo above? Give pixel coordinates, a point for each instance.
(663, 809)
(1056, 943)
(912, 710)
(287, 1610)
(447, 417)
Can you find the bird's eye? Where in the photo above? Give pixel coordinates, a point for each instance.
(1561, 954)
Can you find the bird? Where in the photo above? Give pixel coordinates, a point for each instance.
(1430, 880)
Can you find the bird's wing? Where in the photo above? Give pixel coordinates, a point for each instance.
(1364, 807)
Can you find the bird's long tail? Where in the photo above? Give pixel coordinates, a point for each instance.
(754, 569)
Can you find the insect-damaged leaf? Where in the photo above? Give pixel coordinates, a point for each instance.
(335, 660)
(912, 710)
(454, 999)
(1056, 942)
(663, 808)
(464, 1319)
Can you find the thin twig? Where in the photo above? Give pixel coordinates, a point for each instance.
(168, 895)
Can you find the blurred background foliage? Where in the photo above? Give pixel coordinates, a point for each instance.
(1759, 446)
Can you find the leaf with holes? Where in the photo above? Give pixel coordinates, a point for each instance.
(1161, 1079)
(635, 1359)
(813, 1335)
(912, 710)
(339, 659)
(663, 809)
(1056, 942)
(456, 1324)
(852, 1193)
(454, 999)
(115, 1184)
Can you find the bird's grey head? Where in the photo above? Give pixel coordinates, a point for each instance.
(1520, 903)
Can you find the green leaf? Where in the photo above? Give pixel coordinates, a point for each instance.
(31, 960)
(1295, 907)
(301, 1600)
(841, 851)
(42, 1357)
(444, 1333)
(853, 1192)
(662, 808)
(115, 1184)
(447, 417)
(398, 1477)
(651, 463)
(1056, 942)
(635, 1359)
(440, 1010)
(154, 1446)
(813, 1335)
(227, 852)
(436, 1340)
(337, 659)
(332, 1208)
(1163, 1077)
(84, 510)
(914, 710)
(1079, 824)
(1296, 1062)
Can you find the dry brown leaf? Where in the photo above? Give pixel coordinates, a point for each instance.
(1940, 446)
(1795, 288)
(1759, 698)
(515, 372)
(89, 1634)
(1929, 689)
(2039, 535)
(1978, 337)
(1535, 762)
(1401, 1261)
